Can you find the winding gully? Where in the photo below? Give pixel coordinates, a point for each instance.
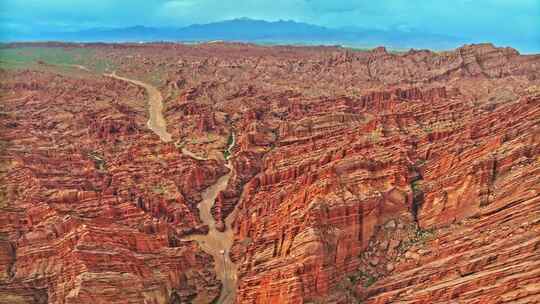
(156, 122)
(215, 243)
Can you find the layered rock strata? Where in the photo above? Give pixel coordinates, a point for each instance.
(357, 176)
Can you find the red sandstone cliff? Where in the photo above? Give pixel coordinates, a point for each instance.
(357, 176)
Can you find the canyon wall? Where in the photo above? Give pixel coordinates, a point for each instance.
(367, 176)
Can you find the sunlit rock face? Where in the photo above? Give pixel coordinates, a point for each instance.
(94, 204)
(356, 176)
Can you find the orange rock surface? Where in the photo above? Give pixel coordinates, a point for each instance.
(356, 176)
(93, 205)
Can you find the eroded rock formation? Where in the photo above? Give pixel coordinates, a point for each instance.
(357, 176)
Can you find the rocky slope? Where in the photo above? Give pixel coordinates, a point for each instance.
(93, 206)
(356, 176)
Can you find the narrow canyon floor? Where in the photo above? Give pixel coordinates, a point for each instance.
(237, 173)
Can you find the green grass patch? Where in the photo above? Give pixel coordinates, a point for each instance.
(420, 162)
(159, 189)
(226, 152)
(99, 161)
(417, 236)
(230, 140)
(364, 277)
(42, 58)
(416, 186)
(428, 130)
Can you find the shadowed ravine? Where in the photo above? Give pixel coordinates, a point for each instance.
(215, 243)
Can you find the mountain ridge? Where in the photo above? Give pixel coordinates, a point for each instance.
(254, 30)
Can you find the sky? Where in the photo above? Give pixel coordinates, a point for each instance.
(503, 22)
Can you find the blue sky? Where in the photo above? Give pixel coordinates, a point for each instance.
(503, 22)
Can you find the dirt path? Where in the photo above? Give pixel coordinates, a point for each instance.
(78, 66)
(187, 152)
(217, 243)
(156, 122)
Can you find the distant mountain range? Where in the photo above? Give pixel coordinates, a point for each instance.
(257, 31)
